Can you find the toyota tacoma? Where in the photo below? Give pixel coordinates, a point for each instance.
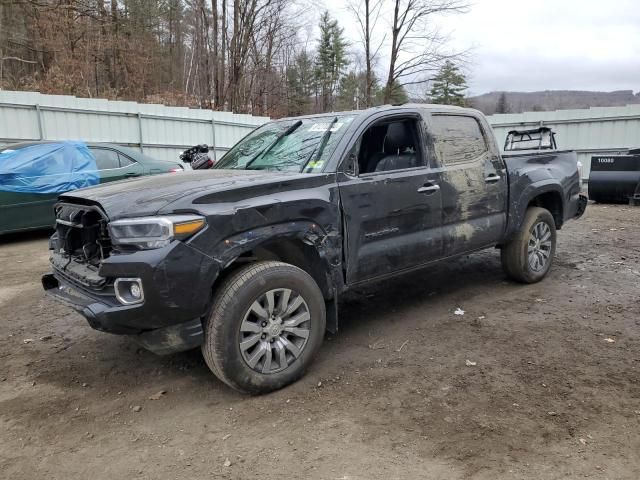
(248, 260)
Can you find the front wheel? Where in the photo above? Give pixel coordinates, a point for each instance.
(266, 325)
(527, 258)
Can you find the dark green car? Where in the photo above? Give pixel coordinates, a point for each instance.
(29, 188)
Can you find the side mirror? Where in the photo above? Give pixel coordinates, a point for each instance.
(352, 163)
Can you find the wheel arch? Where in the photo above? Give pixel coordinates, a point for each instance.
(550, 200)
(545, 194)
(302, 244)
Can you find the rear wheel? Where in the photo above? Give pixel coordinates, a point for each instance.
(266, 325)
(527, 258)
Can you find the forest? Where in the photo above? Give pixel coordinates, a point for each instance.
(263, 57)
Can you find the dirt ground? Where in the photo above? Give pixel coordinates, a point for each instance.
(551, 389)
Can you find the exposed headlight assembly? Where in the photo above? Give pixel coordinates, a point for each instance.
(154, 232)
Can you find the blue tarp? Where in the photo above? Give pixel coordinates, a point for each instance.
(48, 168)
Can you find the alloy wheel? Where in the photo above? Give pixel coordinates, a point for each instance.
(539, 246)
(275, 330)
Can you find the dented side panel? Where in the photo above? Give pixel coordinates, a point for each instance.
(533, 174)
(391, 226)
(474, 191)
(304, 209)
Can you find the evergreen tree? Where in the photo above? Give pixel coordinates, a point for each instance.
(396, 96)
(503, 106)
(349, 95)
(448, 86)
(352, 91)
(300, 84)
(331, 59)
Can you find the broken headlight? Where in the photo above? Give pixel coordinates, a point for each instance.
(154, 232)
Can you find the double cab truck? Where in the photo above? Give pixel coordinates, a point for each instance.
(248, 260)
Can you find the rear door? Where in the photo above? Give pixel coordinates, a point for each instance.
(25, 210)
(392, 217)
(22, 211)
(474, 183)
(113, 165)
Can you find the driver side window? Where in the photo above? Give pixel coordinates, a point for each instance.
(390, 145)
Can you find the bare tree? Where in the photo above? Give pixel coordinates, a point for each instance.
(367, 14)
(417, 47)
(224, 54)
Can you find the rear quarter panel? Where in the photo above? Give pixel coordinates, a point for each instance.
(536, 173)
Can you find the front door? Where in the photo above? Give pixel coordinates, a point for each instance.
(391, 203)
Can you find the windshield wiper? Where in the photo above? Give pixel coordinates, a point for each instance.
(261, 154)
(321, 145)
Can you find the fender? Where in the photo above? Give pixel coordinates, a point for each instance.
(519, 206)
(327, 244)
(326, 264)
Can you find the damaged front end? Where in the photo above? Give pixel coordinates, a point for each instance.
(80, 244)
(128, 291)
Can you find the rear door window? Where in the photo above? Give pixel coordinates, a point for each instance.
(457, 138)
(125, 161)
(105, 159)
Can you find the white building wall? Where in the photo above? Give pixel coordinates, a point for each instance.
(589, 131)
(161, 132)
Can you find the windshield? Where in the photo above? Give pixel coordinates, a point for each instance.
(298, 145)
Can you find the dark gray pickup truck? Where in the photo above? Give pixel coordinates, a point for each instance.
(248, 260)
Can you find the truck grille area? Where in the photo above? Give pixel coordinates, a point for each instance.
(80, 244)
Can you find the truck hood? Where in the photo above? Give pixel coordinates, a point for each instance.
(148, 195)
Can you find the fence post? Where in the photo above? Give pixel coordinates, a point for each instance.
(40, 124)
(140, 132)
(213, 134)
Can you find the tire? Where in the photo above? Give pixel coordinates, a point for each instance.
(236, 318)
(515, 256)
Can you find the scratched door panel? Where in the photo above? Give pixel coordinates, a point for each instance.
(391, 226)
(473, 184)
(470, 219)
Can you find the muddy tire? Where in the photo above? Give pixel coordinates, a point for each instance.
(266, 325)
(529, 255)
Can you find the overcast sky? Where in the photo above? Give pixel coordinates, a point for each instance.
(541, 44)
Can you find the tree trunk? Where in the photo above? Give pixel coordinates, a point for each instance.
(216, 90)
(394, 54)
(223, 58)
(367, 53)
(114, 44)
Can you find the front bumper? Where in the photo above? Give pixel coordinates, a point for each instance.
(177, 282)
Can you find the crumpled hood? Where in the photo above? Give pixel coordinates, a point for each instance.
(147, 195)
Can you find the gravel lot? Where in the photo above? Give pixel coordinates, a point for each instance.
(532, 382)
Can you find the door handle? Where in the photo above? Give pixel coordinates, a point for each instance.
(493, 178)
(429, 189)
(131, 174)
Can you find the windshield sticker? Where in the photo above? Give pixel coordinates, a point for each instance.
(315, 164)
(322, 127)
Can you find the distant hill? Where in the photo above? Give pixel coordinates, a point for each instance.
(516, 102)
